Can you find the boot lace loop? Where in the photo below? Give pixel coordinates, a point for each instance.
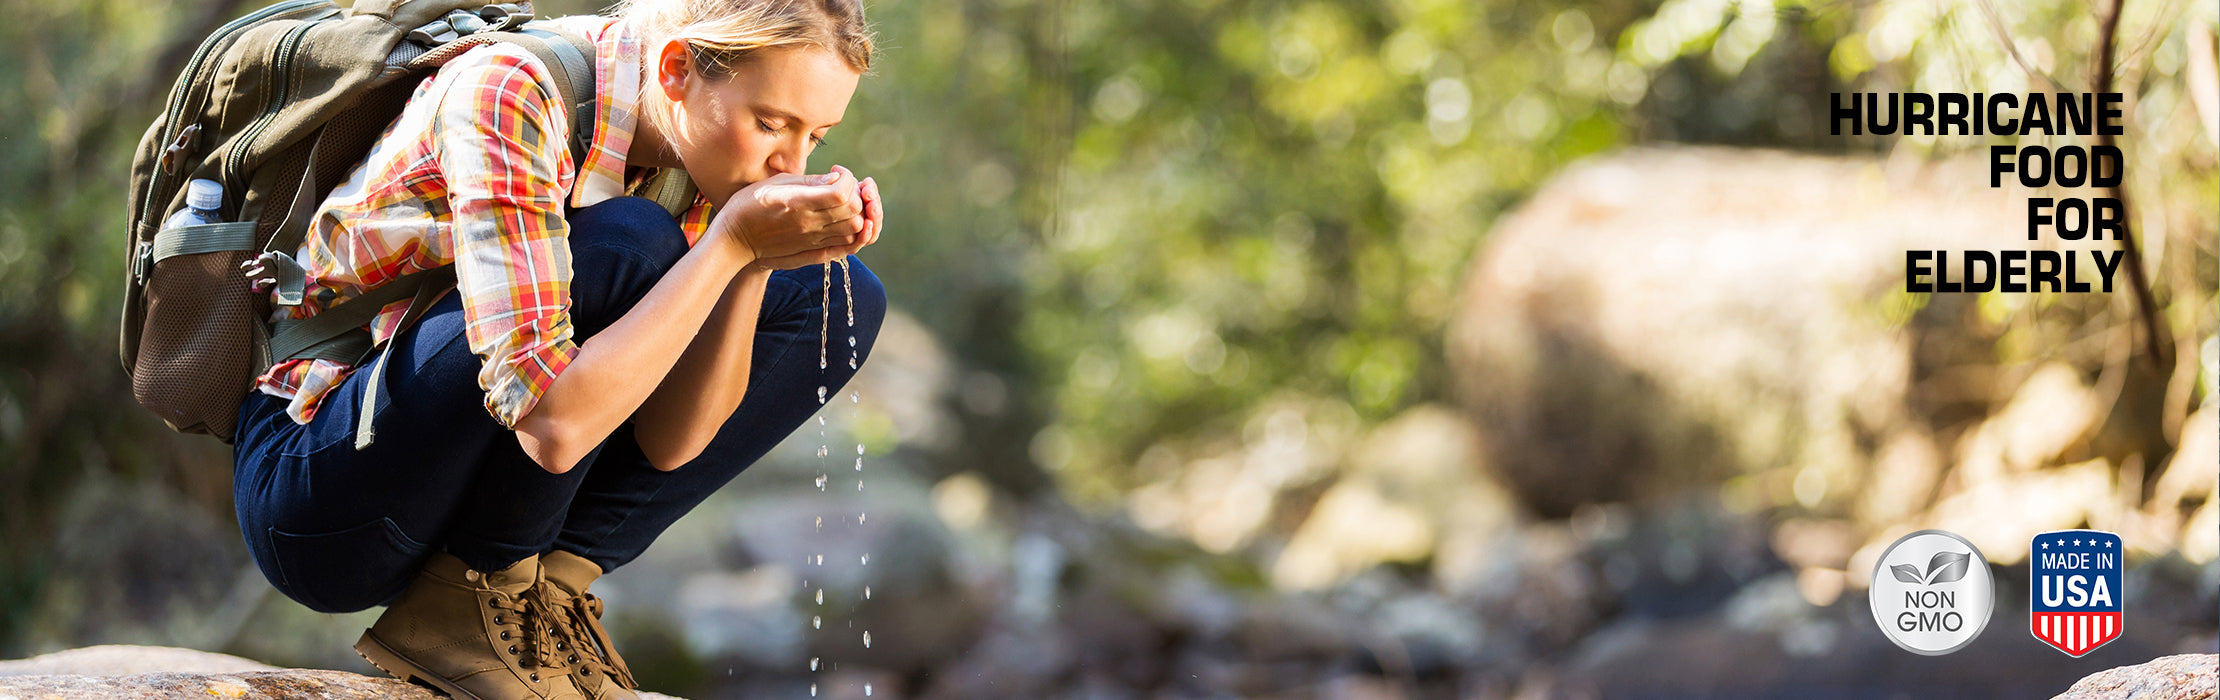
(583, 626)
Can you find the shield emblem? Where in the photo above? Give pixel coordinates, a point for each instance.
(2075, 602)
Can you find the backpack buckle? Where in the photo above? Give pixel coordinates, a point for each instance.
(275, 270)
(461, 23)
(142, 261)
(501, 16)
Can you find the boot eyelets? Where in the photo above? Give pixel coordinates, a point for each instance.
(504, 635)
(512, 650)
(497, 620)
(535, 678)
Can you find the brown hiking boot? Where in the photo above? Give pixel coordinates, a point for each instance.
(595, 666)
(474, 635)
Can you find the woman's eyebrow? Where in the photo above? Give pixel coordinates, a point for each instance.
(771, 111)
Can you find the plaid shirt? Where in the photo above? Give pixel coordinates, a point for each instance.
(474, 174)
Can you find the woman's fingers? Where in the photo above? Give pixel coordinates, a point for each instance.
(838, 231)
(874, 208)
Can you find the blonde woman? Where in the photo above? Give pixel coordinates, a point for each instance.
(600, 367)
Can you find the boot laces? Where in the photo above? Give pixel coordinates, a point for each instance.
(529, 623)
(582, 624)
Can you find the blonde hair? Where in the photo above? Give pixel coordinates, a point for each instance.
(722, 35)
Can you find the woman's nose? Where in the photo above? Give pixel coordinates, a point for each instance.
(789, 158)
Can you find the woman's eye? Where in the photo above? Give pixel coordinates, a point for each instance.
(759, 124)
(819, 140)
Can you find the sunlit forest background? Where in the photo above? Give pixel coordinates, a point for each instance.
(1331, 348)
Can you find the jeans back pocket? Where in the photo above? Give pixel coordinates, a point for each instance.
(346, 570)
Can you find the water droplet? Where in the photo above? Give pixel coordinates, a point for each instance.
(813, 690)
(816, 622)
(852, 363)
(820, 482)
(859, 464)
(867, 560)
(820, 596)
(854, 397)
(859, 484)
(867, 686)
(820, 560)
(813, 663)
(859, 518)
(867, 639)
(820, 420)
(851, 341)
(821, 393)
(820, 522)
(866, 592)
(859, 448)
(820, 363)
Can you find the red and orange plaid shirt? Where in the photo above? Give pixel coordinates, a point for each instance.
(475, 174)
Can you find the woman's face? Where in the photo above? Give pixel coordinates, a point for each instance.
(762, 121)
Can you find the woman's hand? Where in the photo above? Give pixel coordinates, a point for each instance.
(789, 215)
(872, 218)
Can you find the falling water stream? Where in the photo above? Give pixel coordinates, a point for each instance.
(824, 476)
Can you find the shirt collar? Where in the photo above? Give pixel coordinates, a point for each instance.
(616, 114)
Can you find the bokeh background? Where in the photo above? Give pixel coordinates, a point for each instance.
(1398, 348)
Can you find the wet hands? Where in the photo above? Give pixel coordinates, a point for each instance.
(788, 221)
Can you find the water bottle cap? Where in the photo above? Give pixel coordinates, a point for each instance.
(204, 194)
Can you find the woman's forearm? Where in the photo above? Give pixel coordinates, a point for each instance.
(615, 372)
(701, 392)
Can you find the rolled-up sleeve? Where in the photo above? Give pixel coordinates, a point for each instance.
(498, 144)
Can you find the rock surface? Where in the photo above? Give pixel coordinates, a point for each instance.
(2182, 677)
(141, 672)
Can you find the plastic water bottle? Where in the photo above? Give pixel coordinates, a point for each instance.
(202, 198)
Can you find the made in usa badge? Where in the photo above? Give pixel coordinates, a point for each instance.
(2075, 602)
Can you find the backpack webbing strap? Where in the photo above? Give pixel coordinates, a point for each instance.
(426, 291)
(671, 188)
(294, 339)
(201, 238)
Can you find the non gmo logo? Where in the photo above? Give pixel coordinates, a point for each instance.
(1932, 593)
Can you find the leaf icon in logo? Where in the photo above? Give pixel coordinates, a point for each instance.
(1948, 566)
(1906, 573)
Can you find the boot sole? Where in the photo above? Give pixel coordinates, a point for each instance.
(398, 666)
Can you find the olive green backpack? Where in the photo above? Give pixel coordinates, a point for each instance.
(279, 106)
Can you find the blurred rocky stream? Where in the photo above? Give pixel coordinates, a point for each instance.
(1694, 405)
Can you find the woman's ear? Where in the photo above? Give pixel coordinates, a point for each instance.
(673, 65)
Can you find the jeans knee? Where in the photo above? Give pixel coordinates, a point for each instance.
(619, 250)
(632, 224)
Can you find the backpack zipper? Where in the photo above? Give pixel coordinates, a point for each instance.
(180, 93)
(282, 67)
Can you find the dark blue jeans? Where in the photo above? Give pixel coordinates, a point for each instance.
(341, 530)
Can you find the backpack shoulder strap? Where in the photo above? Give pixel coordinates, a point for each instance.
(571, 59)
